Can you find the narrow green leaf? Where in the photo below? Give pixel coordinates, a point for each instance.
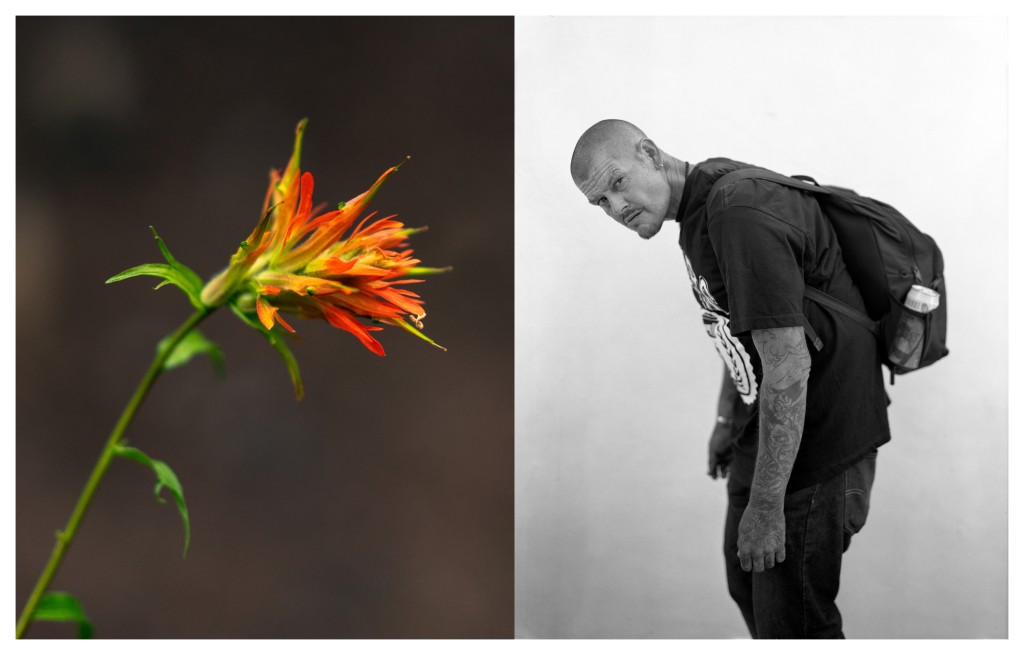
(156, 270)
(193, 344)
(170, 275)
(165, 251)
(62, 606)
(279, 345)
(426, 270)
(163, 247)
(193, 279)
(290, 362)
(412, 330)
(165, 477)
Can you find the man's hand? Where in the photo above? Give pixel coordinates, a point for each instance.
(720, 451)
(762, 538)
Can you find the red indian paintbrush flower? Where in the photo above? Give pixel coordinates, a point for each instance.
(301, 262)
(296, 261)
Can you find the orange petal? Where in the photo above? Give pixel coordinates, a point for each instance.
(305, 204)
(280, 319)
(338, 266)
(320, 220)
(365, 305)
(320, 241)
(301, 284)
(265, 312)
(400, 300)
(344, 320)
(275, 177)
(268, 313)
(367, 270)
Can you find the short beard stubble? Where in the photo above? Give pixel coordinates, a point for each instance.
(646, 231)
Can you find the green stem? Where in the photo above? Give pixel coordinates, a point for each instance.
(65, 536)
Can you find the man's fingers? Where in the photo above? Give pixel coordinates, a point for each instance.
(718, 467)
(773, 558)
(760, 562)
(744, 560)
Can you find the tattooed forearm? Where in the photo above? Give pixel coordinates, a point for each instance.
(786, 366)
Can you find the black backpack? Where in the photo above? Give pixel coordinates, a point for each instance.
(885, 254)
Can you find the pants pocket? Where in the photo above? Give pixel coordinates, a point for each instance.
(859, 478)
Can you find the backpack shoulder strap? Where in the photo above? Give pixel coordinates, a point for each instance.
(832, 302)
(802, 184)
(807, 185)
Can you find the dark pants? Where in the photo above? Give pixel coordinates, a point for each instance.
(796, 599)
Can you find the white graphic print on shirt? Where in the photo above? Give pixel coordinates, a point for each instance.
(730, 349)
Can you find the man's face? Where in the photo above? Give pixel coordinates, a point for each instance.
(630, 188)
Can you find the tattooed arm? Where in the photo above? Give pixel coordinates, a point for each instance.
(786, 366)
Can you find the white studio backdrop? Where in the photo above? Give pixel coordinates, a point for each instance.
(618, 528)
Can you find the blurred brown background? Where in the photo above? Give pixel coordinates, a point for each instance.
(382, 504)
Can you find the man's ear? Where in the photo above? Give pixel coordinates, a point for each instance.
(648, 152)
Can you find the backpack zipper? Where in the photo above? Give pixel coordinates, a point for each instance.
(913, 251)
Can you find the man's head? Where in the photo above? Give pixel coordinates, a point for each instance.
(620, 170)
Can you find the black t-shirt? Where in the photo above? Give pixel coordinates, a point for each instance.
(749, 257)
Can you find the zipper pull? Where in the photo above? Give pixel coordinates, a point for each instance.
(917, 275)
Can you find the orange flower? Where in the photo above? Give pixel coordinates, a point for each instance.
(300, 262)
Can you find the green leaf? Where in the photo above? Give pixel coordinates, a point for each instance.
(194, 343)
(173, 272)
(62, 606)
(426, 270)
(289, 361)
(279, 345)
(165, 477)
(156, 270)
(412, 330)
(193, 278)
(170, 275)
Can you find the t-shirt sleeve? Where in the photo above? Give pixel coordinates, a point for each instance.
(760, 258)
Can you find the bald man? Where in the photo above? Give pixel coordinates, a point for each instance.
(802, 408)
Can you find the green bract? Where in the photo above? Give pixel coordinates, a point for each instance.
(62, 606)
(173, 272)
(165, 477)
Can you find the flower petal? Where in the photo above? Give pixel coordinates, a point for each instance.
(364, 304)
(401, 298)
(305, 204)
(292, 169)
(284, 324)
(344, 320)
(268, 314)
(265, 312)
(332, 231)
(301, 284)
